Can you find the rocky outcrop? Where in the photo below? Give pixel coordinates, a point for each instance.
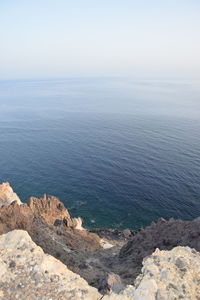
(103, 258)
(49, 208)
(27, 273)
(164, 235)
(7, 195)
(69, 244)
(50, 238)
(14, 216)
(52, 211)
(168, 275)
(47, 213)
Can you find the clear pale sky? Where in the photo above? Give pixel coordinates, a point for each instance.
(62, 38)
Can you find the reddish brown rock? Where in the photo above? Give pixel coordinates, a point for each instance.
(50, 226)
(49, 208)
(15, 216)
(52, 211)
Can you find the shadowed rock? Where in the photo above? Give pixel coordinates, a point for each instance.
(164, 235)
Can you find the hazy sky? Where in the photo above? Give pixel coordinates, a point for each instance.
(140, 38)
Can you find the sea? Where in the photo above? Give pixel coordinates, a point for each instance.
(119, 152)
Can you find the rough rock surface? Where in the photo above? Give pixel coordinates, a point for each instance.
(41, 214)
(109, 283)
(72, 246)
(90, 255)
(51, 209)
(7, 195)
(27, 273)
(168, 275)
(15, 216)
(164, 235)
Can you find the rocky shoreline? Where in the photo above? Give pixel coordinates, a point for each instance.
(108, 261)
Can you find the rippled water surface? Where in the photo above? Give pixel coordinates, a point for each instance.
(120, 153)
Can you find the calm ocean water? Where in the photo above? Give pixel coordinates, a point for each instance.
(118, 152)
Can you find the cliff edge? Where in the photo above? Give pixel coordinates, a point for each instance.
(37, 233)
(26, 272)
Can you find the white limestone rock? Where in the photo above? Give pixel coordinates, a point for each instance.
(7, 195)
(168, 275)
(28, 273)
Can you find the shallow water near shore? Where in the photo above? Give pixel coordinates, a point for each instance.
(118, 152)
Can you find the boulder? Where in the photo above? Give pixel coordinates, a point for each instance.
(109, 283)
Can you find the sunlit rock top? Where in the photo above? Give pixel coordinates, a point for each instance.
(7, 195)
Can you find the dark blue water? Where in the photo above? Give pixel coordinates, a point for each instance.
(120, 153)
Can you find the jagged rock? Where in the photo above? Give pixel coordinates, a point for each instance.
(15, 216)
(49, 208)
(84, 252)
(168, 275)
(27, 273)
(7, 195)
(58, 241)
(75, 223)
(163, 235)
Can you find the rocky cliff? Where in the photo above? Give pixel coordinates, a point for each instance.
(53, 211)
(107, 260)
(26, 272)
(163, 235)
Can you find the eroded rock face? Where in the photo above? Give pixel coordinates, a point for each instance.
(60, 240)
(53, 212)
(51, 209)
(15, 216)
(7, 195)
(27, 273)
(164, 235)
(51, 227)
